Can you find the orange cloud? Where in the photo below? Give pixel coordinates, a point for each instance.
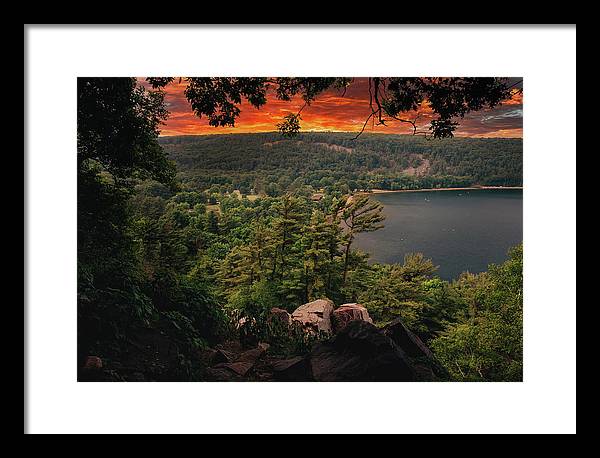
(332, 111)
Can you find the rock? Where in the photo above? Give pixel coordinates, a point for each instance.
(93, 362)
(246, 361)
(231, 348)
(280, 316)
(223, 356)
(360, 352)
(211, 356)
(295, 369)
(315, 315)
(406, 340)
(349, 312)
(244, 321)
(222, 374)
(427, 368)
(206, 356)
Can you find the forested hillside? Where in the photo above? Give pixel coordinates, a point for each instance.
(271, 164)
(216, 276)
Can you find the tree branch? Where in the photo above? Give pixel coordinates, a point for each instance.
(364, 126)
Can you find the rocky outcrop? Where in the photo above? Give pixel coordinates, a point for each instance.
(360, 352)
(315, 316)
(356, 350)
(346, 313)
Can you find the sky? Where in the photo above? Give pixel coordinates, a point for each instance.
(334, 111)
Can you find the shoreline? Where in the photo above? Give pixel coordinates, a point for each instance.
(471, 188)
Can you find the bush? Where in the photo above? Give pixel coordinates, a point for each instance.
(250, 312)
(194, 304)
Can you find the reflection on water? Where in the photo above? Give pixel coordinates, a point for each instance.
(458, 230)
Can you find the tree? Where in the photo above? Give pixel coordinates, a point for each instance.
(376, 161)
(118, 125)
(320, 242)
(360, 214)
(117, 144)
(286, 229)
(212, 224)
(219, 98)
(487, 344)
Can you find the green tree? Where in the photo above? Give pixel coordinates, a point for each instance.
(395, 291)
(212, 224)
(286, 230)
(320, 241)
(487, 345)
(117, 144)
(360, 214)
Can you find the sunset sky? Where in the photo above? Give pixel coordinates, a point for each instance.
(333, 112)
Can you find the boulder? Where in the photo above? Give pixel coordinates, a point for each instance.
(315, 315)
(246, 361)
(93, 362)
(426, 366)
(223, 356)
(296, 369)
(349, 312)
(409, 342)
(360, 352)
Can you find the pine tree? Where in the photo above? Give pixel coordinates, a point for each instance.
(286, 230)
(317, 259)
(360, 214)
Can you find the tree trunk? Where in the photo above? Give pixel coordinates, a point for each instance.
(346, 259)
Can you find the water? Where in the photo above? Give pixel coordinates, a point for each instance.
(459, 230)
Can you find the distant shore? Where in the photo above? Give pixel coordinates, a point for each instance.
(472, 188)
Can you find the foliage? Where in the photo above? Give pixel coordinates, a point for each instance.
(290, 126)
(195, 262)
(410, 292)
(266, 162)
(117, 142)
(185, 330)
(487, 345)
(117, 128)
(133, 238)
(219, 98)
(250, 312)
(359, 214)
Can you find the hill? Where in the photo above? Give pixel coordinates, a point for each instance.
(270, 163)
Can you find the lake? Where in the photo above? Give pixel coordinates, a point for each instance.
(459, 230)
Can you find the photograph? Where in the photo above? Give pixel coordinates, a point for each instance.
(300, 229)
